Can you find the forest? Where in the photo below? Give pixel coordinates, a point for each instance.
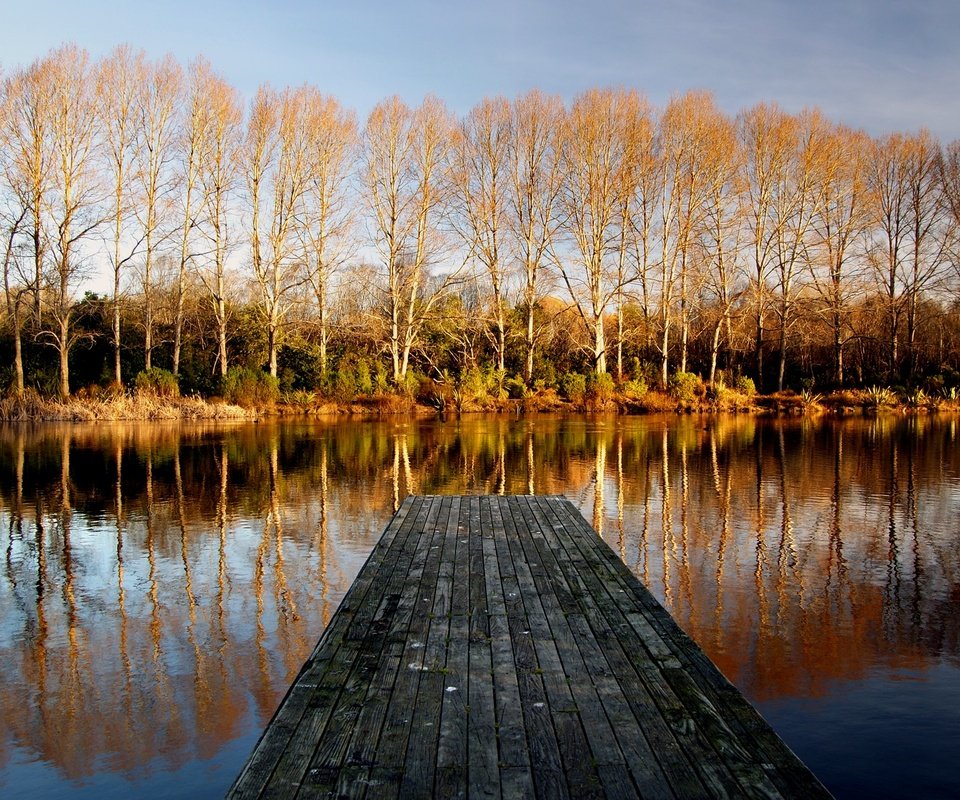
(529, 245)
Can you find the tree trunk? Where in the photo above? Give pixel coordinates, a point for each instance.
(599, 346)
(64, 354)
(530, 343)
(17, 349)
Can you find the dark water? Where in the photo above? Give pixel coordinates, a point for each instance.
(161, 584)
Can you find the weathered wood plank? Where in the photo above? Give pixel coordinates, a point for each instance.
(497, 647)
(285, 728)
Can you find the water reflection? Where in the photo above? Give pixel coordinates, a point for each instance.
(162, 584)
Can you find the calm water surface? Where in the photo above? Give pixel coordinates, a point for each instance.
(161, 584)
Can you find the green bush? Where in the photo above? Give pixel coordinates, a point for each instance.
(574, 386)
(516, 388)
(685, 387)
(635, 389)
(364, 378)
(745, 385)
(250, 388)
(600, 387)
(344, 384)
(157, 382)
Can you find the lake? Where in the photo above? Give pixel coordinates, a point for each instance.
(162, 583)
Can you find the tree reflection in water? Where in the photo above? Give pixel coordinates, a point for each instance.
(162, 584)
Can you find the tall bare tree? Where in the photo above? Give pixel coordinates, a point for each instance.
(158, 98)
(278, 165)
(332, 140)
(633, 237)
(839, 224)
(721, 235)
(535, 187)
(764, 132)
(406, 186)
(797, 197)
(889, 196)
(595, 158)
(119, 75)
(218, 168)
(687, 128)
(74, 204)
(28, 165)
(928, 235)
(480, 173)
(190, 142)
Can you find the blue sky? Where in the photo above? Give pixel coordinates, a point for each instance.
(882, 65)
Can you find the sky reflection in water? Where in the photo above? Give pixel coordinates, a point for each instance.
(162, 584)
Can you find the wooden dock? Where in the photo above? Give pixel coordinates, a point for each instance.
(496, 647)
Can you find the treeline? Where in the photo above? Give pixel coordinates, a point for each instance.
(527, 240)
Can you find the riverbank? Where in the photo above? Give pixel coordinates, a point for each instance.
(30, 407)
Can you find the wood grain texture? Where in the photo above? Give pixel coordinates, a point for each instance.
(496, 647)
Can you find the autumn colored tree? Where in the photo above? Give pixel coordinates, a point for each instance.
(332, 140)
(119, 74)
(158, 98)
(838, 226)
(596, 158)
(687, 129)
(218, 171)
(74, 203)
(536, 180)
(764, 132)
(277, 161)
(406, 153)
(480, 165)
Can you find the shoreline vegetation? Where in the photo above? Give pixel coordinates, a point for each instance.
(443, 401)
(277, 255)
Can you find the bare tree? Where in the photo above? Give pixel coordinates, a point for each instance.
(687, 128)
(15, 216)
(595, 159)
(405, 181)
(332, 140)
(949, 169)
(797, 196)
(74, 204)
(480, 173)
(218, 167)
(840, 222)
(633, 222)
(535, 186)
(158, 97)
(928, 235)
(721, 234)
(888, 184)
(28, 164)
(764, 132)
(279, 157)
(190, 142)
(119, 75)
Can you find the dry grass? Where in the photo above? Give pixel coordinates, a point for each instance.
(31, 407)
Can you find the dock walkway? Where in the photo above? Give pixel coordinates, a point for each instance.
(497, 647)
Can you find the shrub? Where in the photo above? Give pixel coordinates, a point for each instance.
(685, 387)
(364, 379)
(574, 386)
(878, 396)
(745, 385)
(157, 382)
(600, 387)
(516, 388)
(344, 384)
(250, 388)
(635, 389)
